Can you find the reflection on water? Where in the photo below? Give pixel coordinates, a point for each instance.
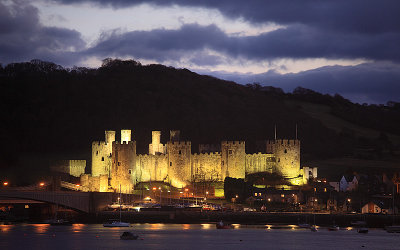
(190, 236)
(41, 228)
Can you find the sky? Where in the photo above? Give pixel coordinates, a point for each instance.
(349, 47)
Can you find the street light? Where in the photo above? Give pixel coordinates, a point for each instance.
(5, 183)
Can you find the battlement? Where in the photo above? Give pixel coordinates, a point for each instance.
(233, 142)
(285, 142)
(99, 143)
(124, 142)
(208, 153)
(181, 143)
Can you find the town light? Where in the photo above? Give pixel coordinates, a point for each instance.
(348, 200)
(186, 189)
(154, 188)
(41, 184)
(159, 188)
(269, 199)
(206, 192)
(237, 196)
(77, 185)
(5, 183)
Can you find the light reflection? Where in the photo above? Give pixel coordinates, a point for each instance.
(206, 226)
(186, 226)
(236, 226)
(77, 227)
(349, 228)
(41, 228)
(5, 228)
(156, 226)
(268, 227)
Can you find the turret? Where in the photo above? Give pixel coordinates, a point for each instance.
(233, 156)
(125, 135)
(174, 135)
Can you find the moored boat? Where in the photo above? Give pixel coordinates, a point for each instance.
(362, 230)
(333, 228)
(393, 229)
(129, 236)
(116, 223)
(222, 225)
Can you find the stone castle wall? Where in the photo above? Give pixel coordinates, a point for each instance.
(256, 163)
(175, 163)
(287, 155)
(152, 168)
(123, 166)
(206, 167)
(179, 158)
(233, 155)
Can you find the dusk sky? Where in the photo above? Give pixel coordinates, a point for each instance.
(350, 47)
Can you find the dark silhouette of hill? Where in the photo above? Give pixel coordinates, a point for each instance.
(49, 110)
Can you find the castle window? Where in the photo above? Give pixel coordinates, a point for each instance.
(97, 152)
(279, 159)
(170, 163)
(180, 152)
(119, 163)
(230, 151)
(222, 163)
(102, 158)
(130, 171)
(285, 151)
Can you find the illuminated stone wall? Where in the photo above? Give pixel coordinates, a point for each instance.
(287, 155)
(101, 155)
(156, 147)
(179, 167)
(123, 166)
(151, 168)
(256, 163)
(206, 167)
(233, 158)
(126, 135)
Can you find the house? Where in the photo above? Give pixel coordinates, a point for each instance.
(346, 183)
(378, 207)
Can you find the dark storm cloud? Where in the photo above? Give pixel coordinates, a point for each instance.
(22, 37)
(369, 82)
(361, 16)
(297, 41)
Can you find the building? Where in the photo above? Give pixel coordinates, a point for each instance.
(115, 164)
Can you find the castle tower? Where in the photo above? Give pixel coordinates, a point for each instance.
(123, 171)
(110, 137)
(179, 161)
(125, 135)
(156, 147)
(101, 155)
(287, 156)
(233, 157)
(174, 135)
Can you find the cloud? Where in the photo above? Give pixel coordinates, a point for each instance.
(296, 41)
(348, 16)
(22, 37)
(369, 82)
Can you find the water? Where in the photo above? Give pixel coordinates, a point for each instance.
(189, 236)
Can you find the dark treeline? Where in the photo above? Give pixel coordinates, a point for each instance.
(47, 109)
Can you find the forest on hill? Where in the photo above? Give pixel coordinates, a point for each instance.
(50, 110)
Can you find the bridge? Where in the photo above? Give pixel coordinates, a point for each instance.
(87, 202)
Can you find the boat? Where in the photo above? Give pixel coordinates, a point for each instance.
(393, 229)
(304, 225)
(358, 223)
(222, 225)
(117, 223)
(333, 228)
(128, 236)
(313, 228)
(60, 222)
(362, 230)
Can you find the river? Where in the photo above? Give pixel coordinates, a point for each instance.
(190, 236)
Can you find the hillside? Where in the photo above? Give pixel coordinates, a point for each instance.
(51, 112)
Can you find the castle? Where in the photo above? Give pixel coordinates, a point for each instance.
(116, 165)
